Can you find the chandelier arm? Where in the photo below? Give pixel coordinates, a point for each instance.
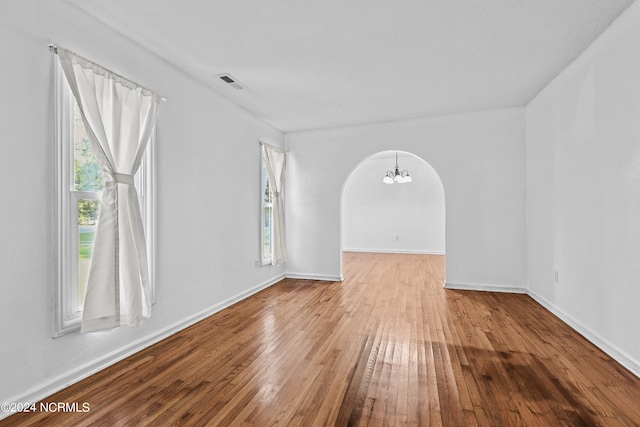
(397, 176)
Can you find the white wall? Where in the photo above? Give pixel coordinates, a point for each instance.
(377, 217)
(208, 228)
(480, 158)
(583, 187)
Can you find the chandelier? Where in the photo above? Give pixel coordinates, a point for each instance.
(397, 176)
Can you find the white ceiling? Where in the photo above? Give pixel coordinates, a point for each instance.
(310, 64)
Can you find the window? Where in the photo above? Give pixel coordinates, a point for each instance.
(85, 206)
(78, 188)
(266, 213)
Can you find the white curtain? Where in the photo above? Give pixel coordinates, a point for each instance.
(275, 160)
(119, 117)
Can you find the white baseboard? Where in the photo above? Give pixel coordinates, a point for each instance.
(311, 276)
(62, 381)
(394, 251)
(485, 287)
(604, 345)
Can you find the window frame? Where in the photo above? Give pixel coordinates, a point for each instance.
(67, 313)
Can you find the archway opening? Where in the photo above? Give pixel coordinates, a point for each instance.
(393, 218)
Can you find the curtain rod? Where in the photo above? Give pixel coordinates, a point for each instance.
(54, 48)
(273, 147)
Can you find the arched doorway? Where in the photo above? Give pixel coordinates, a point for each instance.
(394, 218)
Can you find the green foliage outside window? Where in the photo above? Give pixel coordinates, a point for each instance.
(88, 177)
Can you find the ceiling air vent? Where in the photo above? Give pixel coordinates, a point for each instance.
(230, 80)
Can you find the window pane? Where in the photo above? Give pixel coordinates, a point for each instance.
(87, 220)
(266, 211)
(87, 174)
(266, 241)
(266, 192)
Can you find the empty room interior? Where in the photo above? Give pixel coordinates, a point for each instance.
(320, 212)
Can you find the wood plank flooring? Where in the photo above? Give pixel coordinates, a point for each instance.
(388, 346)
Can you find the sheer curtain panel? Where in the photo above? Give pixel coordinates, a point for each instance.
(119, 116)
(275, 159)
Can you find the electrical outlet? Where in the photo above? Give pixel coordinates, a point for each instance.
(397, 238)
(555, 277)
(257, 263)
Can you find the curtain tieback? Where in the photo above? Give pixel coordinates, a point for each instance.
(123, 178)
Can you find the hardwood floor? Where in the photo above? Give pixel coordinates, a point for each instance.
(388, 346)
